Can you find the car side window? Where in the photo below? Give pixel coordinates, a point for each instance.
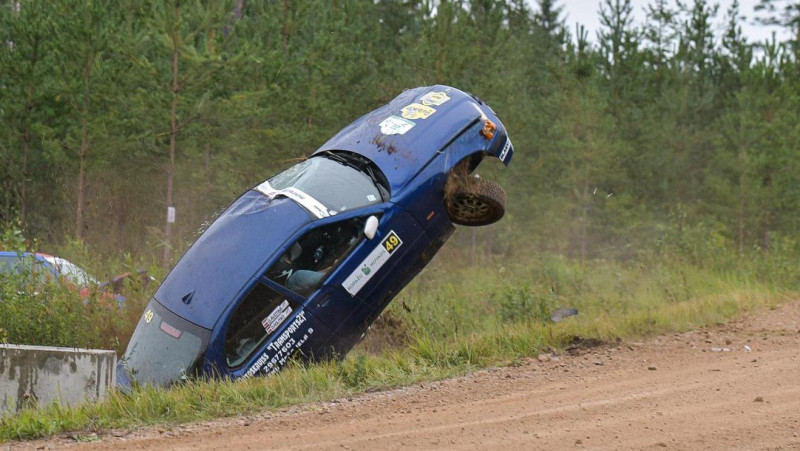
(9, 264)
(316, 254)
(261, 312)
(24, 268)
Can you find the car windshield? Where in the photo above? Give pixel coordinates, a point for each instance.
(164, 348)
(333, 183)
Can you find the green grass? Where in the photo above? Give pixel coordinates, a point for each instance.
(452, 320)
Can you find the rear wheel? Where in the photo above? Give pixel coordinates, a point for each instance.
(473, 201)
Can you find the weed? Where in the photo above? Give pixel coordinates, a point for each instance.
(355, 374)
(524, 304)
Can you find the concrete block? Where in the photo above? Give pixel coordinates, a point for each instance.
(31, 375)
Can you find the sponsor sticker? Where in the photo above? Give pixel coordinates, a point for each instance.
(394, 125)
(277, 316)
(417, 111)
(506, 148)
(309, 203)
(434, 98)
(374, 261)
(282, 348)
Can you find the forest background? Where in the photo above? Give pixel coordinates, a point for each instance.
(670, 140)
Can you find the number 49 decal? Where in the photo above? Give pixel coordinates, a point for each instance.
(391, 242)
(370, 265)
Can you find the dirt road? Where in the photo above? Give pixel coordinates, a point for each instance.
(727, 387)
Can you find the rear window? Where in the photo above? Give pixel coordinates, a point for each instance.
(165, 348)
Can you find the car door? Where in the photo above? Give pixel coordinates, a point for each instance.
(295, 292)
(359, 292)
(322, 257)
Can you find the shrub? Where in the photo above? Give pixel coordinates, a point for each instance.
(52, 314)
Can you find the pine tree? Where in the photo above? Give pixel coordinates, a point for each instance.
(784, 13)
(619, 51)
(179, 48)
(26, 31)
(85, 28)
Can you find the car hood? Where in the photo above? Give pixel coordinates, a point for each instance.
(225, 258)
(400, 146)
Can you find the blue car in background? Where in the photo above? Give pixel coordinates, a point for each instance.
(301, 265)
(40, 268)
(45, 268)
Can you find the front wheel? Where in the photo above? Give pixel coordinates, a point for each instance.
(473, 201)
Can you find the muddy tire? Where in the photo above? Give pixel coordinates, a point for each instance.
(473, 201)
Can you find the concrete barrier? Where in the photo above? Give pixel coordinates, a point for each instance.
(39, 375)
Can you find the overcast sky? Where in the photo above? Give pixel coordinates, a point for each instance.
(587, 13)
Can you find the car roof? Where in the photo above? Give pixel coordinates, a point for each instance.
(36, 255)
(228, 255)
(13, 253)
(400, 146)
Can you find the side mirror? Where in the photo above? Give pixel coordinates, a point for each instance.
(371, 227)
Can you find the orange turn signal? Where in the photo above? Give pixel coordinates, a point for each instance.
(488, 129)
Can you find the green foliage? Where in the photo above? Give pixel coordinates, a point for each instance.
(354, 375)
(13, 237)
(35, 309)
(519, 303)
(49, 313)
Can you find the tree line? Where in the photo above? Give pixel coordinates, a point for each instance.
(663, 135)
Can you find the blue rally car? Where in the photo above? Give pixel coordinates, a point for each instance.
(302, 264)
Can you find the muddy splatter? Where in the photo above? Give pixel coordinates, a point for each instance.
(382, 146)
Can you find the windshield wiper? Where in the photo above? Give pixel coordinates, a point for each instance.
(339, 159)
(362, 165)
(384, 192)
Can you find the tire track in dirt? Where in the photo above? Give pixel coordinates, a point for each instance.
(681, 392)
